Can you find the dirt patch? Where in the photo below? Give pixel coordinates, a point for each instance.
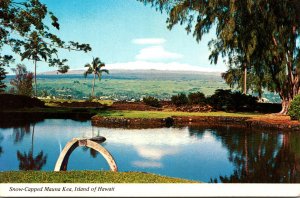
(275, 122)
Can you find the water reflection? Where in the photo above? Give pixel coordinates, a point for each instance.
(28, 161)
(260, 157)
(216, 154)
(1, 139)
(19, 133)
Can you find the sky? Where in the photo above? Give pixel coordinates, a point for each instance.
(126, 34)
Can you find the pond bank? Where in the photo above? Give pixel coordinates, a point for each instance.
(153, 119)
(258, 122)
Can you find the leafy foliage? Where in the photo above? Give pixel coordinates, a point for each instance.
(95, 68)
(24, 32)
(196, 98)
(10, 101)
(294, 110)
(261, 34)
(180, 99)
(228, 101)
(2, 77)
(23, 29)
(22, 81)
(151, 101)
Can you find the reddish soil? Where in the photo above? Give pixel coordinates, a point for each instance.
(277, 121)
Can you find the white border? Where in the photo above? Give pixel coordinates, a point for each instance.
(151, 190)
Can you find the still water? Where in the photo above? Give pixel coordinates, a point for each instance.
(203, 154)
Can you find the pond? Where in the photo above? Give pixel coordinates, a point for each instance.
(217, 154)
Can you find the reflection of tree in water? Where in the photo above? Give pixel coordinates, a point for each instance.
(29, 161)
(1, 149)
(19, 132)
(93, 152)
(261, 157)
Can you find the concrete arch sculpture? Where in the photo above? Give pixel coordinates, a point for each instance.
(62, 161)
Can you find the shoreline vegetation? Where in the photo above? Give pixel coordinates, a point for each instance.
(154, 119)
(86, 177)
(140, 115)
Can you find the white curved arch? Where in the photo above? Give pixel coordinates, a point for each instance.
(62, 160)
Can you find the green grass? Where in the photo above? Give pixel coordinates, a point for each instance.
(165, 114)
(85, 177)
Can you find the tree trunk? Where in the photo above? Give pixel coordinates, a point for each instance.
(35, 90)
(93, 85)
(245, 78)
(285, 105)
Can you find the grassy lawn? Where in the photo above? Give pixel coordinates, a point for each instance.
(85, 177)
(165, 114)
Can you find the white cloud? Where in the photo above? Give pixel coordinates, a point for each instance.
(147, 164)
(149, 41)
(155, 153)
(171, 66)
(156, 53)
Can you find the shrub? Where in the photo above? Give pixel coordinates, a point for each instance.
(179, 99)
(151, 101)
(10, 101)
(221, 99)
(196, 98)
(242, 102)
(228, 101)
(294, 111)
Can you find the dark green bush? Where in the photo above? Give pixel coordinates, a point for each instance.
(11, 101)
(221, 99)
(229, 101)
(196, 98)
(294, 110)
(151, 101)
(179, 99)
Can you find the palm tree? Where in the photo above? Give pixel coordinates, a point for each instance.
(35, 50)
(30, 162)
(95, 68)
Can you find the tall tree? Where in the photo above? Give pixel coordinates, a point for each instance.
(22, 81)
(2, 77)
(262, 34)
(24, 31)
(95, 68)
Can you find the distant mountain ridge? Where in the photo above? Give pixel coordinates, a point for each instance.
(150, 71)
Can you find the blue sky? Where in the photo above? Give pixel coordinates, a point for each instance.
(126, 34)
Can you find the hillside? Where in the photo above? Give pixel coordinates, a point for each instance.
(130, 84)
